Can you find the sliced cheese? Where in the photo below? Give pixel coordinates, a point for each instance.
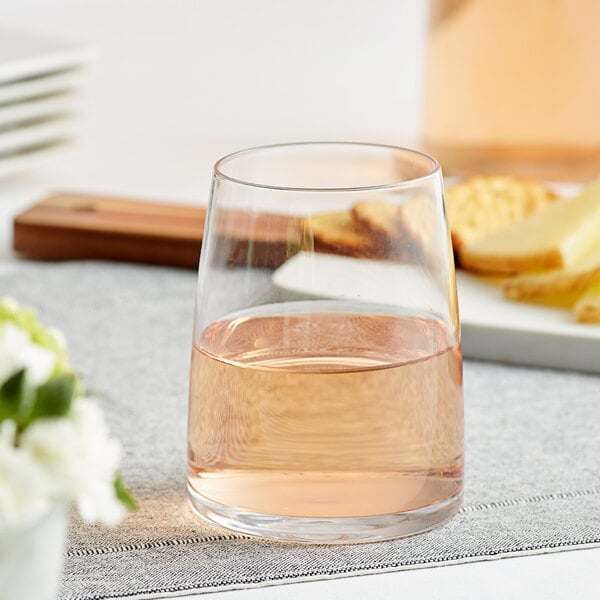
(558, 236)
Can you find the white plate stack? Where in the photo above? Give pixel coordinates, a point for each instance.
(40, 79)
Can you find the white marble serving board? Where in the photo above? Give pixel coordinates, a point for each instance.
(492, 328)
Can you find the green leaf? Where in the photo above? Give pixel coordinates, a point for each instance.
(12, 395)
(123, 494)
(54, 398)
(13, 386)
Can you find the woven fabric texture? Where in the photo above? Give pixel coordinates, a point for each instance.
(533, 468)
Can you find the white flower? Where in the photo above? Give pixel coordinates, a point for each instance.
(24, 487)
(97, 500)
(99, 504)
(55, 446)
(18, 351)
(51, 459)
(80, 458)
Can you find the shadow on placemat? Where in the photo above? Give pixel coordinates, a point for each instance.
(533, 474)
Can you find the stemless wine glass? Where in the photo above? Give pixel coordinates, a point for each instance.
(326, 379)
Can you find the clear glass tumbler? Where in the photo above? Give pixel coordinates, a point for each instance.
(326, 380)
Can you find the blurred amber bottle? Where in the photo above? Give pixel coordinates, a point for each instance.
(513, 86)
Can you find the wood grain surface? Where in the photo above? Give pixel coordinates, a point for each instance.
(80, 226)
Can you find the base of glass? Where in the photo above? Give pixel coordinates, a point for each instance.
(311, 530)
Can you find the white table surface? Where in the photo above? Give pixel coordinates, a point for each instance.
(179, 83)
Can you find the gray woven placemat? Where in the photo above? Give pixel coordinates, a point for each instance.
(533, 451)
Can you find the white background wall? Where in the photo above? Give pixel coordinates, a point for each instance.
(179, 83)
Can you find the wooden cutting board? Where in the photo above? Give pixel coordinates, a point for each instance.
(79, 226)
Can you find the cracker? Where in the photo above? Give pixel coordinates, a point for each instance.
(481, 205)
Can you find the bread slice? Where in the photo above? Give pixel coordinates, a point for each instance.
(559, 282)
(338, 233)
(377, 218)
(481, 205)
(405, 229)
(587, 308)
(557, 237)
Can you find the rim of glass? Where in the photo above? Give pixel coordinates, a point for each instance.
(435, 167)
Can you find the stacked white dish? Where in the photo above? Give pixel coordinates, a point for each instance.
(40, 79)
